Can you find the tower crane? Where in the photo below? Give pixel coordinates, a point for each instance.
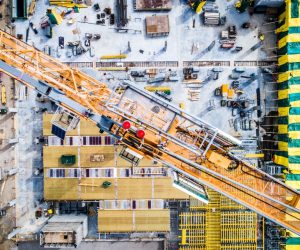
(197, 152)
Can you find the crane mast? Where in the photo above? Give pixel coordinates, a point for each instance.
(198, 153)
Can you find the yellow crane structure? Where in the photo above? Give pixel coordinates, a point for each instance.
(198, 153)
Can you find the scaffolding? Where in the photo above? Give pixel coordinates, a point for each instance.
(219, 225)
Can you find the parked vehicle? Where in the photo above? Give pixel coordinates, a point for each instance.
(3, 111)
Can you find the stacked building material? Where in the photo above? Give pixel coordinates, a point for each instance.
(121, 7)
(142, 5)
(31, 8)
(211, 18)
(157, 26)
(211, 14)
(120, 56)
(67, 4)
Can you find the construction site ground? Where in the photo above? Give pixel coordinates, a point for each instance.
(186, 46)
(7, 165)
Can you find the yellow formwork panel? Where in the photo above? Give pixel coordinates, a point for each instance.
(183, 238)
(219, 225)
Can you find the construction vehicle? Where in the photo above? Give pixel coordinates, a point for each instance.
(3, 111)
(3, 94)
(149, 127)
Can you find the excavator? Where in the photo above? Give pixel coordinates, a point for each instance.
(199, 154)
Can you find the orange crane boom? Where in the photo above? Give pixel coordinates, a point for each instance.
(149, 127)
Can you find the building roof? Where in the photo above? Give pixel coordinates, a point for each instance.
(61, 182)
(134, 220)
(157, 24)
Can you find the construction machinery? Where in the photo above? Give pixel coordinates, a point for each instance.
(149, 127)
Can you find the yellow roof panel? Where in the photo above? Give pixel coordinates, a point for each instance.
(133, 220)
(115, 221)
(52, 155)
(152, 220)
(96, 192)
(88, 128)
(121, 188)
(61, 189)
(164, 188)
